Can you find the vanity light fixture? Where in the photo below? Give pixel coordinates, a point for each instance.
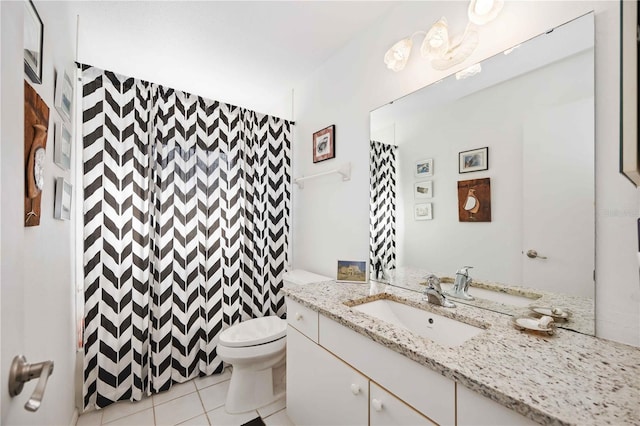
(506, 52)
(437, 45)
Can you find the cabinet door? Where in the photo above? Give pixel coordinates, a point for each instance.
(321, 389)
(477, 410)
(386, 409)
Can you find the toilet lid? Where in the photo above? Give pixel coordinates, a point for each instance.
(254, 332)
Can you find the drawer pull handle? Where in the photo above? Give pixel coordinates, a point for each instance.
(355, 389)
(298, 316)
(377, 404)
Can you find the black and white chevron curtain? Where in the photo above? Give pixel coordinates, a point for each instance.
(382, 209)
(186, 226)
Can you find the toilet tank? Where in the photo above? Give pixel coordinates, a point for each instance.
(299, 276)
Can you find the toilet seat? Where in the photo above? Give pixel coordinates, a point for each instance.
(254, 332)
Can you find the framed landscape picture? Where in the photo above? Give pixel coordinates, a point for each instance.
(352, 271)
(424, 168)
(33, 33)
(474, 160)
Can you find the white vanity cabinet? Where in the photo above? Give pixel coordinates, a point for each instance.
(321, 389)
(385, 409)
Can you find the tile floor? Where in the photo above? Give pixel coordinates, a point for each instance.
(199, 402)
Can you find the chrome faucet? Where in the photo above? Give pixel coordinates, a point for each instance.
(461, 285)
(434, 294)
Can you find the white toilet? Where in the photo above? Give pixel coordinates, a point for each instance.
(256, 350)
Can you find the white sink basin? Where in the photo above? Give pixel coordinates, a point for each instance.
(440, 329)
(494, 296)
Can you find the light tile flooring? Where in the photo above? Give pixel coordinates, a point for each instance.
(198, 402)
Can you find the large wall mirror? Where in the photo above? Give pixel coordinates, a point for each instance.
(532, 108)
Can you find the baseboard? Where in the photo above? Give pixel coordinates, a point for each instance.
(74, 417)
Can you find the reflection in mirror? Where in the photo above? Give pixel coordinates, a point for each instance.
(521, 212)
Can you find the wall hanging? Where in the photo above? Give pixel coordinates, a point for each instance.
(324, 144)
(36, 123)
(423, 211)
(64, 94)
(474, 200)
(62, 146)
(33, 34)
(352, 271)
(423, 189)
(424, 168)
(474, 160)
(630, 47)
(63, 196)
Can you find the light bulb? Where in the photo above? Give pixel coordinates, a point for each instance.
(484, 11)
(436, 42)
(397, 56)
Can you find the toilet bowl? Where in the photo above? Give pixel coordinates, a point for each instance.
(256, 350)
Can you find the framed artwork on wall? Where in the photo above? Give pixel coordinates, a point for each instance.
(474, 160)
(62, 146)
(474, 200)
(352, 271)
(64, 95)
(423, 211)
(423, 189)
(33, 33)
(424, 168)
(63, 195)
(324, 144)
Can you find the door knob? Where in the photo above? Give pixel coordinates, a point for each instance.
(21, 372)
(377, 404)
(355, 388)
(298, 316)
(533, 254)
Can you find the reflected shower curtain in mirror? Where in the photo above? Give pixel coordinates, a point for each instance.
(382, 220)
(186, 226)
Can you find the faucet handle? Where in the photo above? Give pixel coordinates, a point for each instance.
(464, 270)
(433, 282)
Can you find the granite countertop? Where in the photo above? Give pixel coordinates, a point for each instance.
(582, 309)
(565, 379)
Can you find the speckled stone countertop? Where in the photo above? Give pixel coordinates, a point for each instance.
(582, 309)
(564, 379)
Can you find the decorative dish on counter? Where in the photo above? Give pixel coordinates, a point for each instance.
(544, 324)
(554, 312)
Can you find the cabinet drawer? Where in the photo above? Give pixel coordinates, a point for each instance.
(422, 388)
(477, 410)
(386, 409)
(303, 319)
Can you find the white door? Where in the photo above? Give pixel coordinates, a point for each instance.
(558, 199)
(321, 389)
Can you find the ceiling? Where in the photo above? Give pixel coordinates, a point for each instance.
(247, 53)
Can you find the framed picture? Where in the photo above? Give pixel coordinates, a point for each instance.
(324, 144)
(423, 189)
(62, 146)
(33, 31)
(64, 193)
(352, 271)
(423, 211)
(64, 95)
(474, 200)
(474, 160)
(424, 168)
(630, 47)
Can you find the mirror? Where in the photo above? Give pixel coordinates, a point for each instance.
(494, 171)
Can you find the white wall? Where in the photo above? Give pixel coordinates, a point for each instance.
(330, 217)
(37, 289)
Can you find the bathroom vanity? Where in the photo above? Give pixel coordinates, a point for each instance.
(348, 367)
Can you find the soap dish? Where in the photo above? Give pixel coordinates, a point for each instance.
(552, 311)
(532, 324)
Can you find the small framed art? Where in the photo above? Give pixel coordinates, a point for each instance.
(474, 160)
(33, 31)
(62, 146)
(324, 144)
(424, 168)
(64, 95)
(423, 189)
(423, 211)
(352, 271)
(64, 193)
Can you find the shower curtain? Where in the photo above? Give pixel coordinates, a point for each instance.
(186, 227)
(382, 208)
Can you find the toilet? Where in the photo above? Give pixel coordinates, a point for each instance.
(256, 350)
